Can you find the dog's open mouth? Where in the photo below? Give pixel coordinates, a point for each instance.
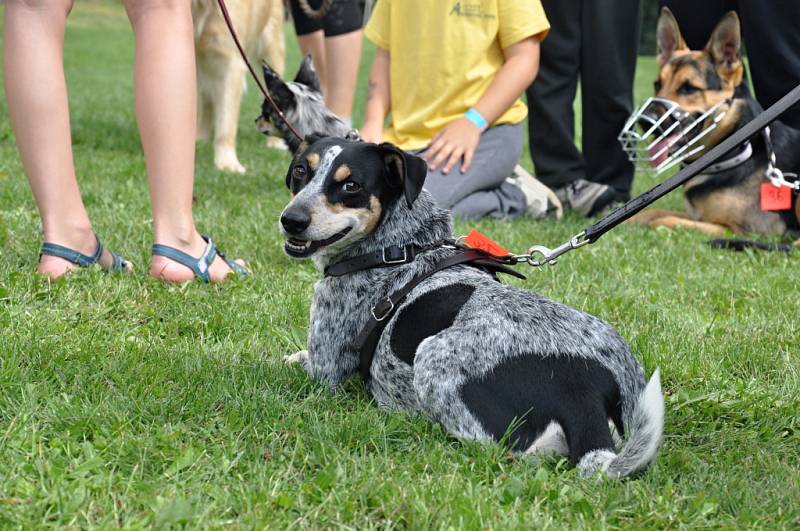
(297, 248)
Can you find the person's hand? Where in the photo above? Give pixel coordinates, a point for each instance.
(456, 140)
(371, 132)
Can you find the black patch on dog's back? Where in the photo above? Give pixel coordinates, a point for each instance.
(578, 393)
(427, 315)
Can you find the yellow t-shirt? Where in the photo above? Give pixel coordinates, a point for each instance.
(444, 55)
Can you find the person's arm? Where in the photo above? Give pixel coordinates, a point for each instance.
(378, 94)
(460, 138)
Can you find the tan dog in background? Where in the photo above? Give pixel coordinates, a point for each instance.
(221, 72)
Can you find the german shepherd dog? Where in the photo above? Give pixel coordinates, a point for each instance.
(697, 80)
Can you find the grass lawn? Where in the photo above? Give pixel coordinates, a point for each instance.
(126, 402)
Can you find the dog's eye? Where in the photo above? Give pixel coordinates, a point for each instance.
(298, 172)
(351, 187)
(687, 89)
(657, 85)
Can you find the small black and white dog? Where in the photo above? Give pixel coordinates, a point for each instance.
(302, 103)
(488, 361)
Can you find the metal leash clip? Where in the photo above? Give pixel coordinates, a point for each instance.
(778, 178)
(773, 173)
(548, 256)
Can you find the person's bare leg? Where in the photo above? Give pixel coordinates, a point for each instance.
(342, 58)
(314, 44)
(166, 111)
(33, 52)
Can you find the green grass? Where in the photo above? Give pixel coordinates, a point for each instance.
(125, 402)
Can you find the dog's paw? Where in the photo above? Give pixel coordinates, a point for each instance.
(277, 143)
(298, 357)
(226, 161)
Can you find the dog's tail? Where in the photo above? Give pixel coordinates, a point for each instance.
(645, 432)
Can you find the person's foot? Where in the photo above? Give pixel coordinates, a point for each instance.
(85, 243)
(540, 201)
(585, 197)
(169, 270)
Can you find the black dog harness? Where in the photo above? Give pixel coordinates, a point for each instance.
(367, 340)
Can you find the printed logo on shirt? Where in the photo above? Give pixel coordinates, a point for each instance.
(471, 10)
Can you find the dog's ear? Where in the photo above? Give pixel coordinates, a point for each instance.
(725, 46)
(668, 36)
(405, 170)
(277, 86)
(307, 75)
(313, 137)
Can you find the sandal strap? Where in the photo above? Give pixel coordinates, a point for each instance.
(240, 270)
(199, 266)
(71, 255)
(118, 263)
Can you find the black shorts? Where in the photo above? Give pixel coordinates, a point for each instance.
(344, 16)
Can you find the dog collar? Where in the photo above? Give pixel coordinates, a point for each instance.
(745, 152)
(386, 257)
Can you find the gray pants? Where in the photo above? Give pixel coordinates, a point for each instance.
(482, 191)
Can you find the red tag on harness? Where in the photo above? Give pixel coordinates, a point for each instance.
(775, 197)
(480, 241)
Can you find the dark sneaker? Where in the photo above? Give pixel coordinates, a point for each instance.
(585, 197)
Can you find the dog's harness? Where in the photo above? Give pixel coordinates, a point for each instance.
(367, 340)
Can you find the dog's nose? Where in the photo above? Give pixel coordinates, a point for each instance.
(295, 221)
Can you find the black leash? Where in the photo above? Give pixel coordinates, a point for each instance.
(741, 245)
(593, 232)
(261, 86)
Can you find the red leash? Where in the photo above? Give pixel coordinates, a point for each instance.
(261, 86)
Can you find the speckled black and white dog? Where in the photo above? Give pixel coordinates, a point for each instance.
(484, 359)
(303, 106)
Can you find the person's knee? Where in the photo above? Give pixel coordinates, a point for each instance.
(137, 8)
(64, 6)
(443, 190)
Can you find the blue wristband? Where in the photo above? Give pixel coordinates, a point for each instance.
(475, 117)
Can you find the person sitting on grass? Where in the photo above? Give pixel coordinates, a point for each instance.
(451, 74)
(166, 110)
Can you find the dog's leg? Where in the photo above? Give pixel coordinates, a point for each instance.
(273, 42)
(646, 217)
(204, 114)
(551, 442)
(666, 218)
(298, 357)
(226, 116)
(703, 226)
(272, 49)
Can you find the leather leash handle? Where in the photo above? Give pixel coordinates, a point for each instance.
(261, 86)
(750, 129)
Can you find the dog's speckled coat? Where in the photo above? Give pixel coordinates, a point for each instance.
(497, 324)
